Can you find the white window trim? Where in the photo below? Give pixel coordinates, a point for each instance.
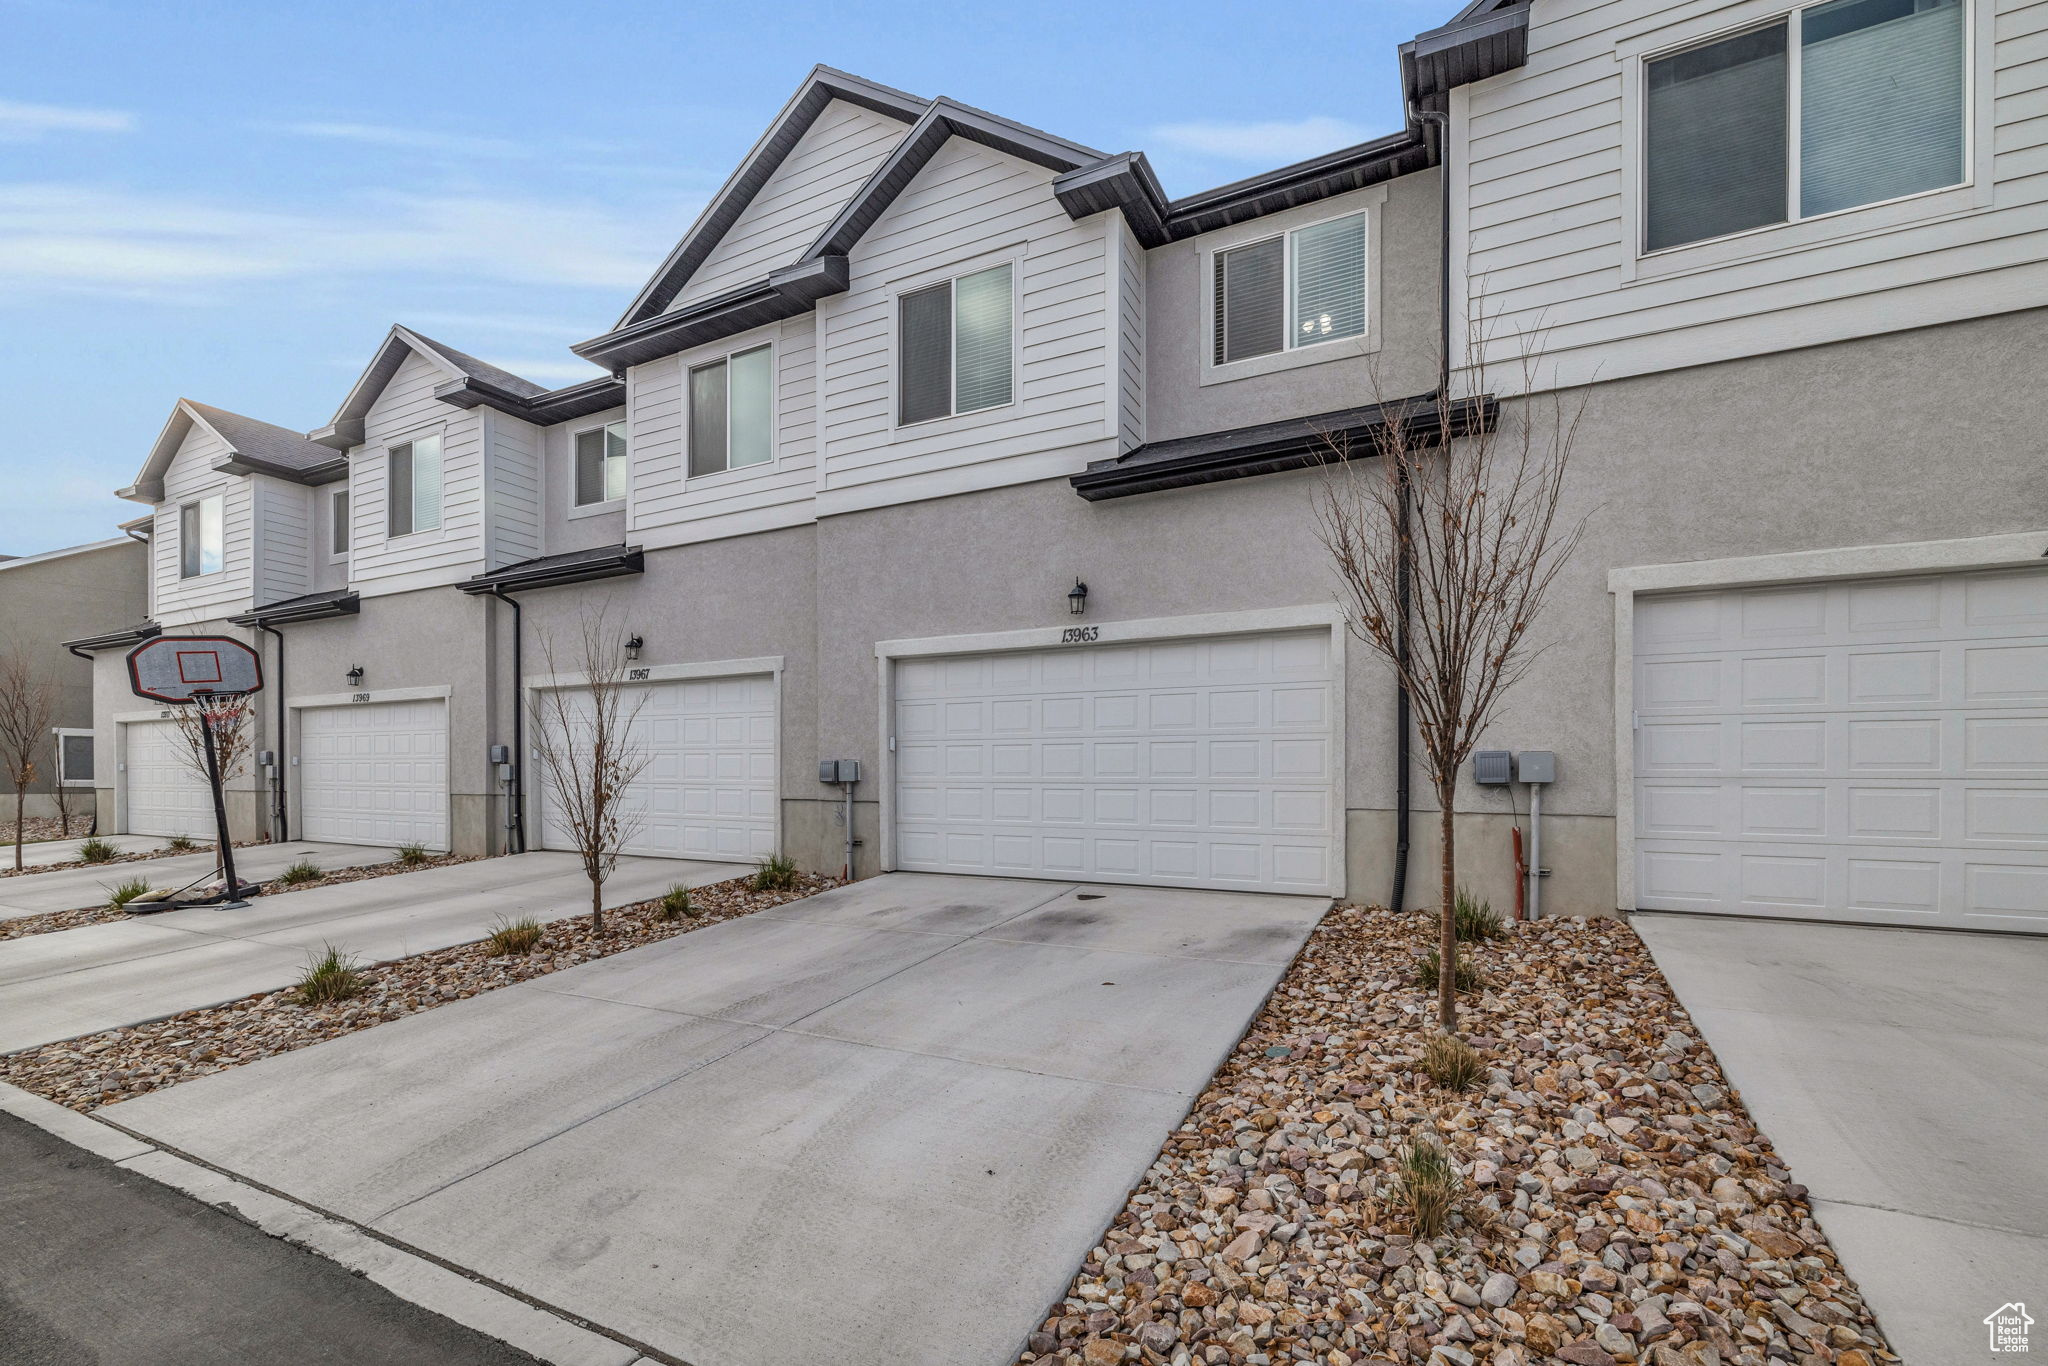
(193, 502)
(606, 505)
(63, 732)
(1013, 257)
(384, 449)
(340, 555)
(1370, 202)
(698, 362)
(1973, 194)
(2016, 550)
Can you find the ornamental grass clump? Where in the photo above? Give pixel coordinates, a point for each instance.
(1428, 1186)
(180, 844)
(776, 873)
(675, 903)
(412, 855)
(515, 936)
(305, 870)
(1465, 975)
(134, 889)
(330, 975)
(1476, 920)
(1452, 1063)
(97, 850)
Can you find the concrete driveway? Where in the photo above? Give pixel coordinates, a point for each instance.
(44, 852)
(1903, 1074)
(880, 1125)
(78, 981)
(69, 889)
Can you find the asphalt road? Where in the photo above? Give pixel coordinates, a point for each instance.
(103, 1267)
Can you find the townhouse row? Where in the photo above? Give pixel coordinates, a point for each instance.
(957, 449)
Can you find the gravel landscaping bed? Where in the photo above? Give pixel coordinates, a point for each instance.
(36, 829)
(120, 1064)
(203, 846)
(22, 926)
(1619, 1205)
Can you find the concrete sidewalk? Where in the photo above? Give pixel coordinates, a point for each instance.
(124, 1271)
(69, 889)
(78, 981)
(1903, 1076)
(44, 852)
(881, 1125)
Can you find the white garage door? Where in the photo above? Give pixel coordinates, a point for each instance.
(1194, 763)
(1874, 750)
(164, 795)
(375, 773)
(708, 790)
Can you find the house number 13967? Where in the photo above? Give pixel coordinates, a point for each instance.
(1080, 635)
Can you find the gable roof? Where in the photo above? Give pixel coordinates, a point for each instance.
(254, 447)
(820, 88)
(463, 371)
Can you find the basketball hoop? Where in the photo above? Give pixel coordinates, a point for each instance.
(214, 676)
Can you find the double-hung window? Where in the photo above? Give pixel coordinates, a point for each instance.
(1832, 107)
(337, 523)
(1295, 289)
(412, 491)
(955, 347)
(601, 465)
(732, 409)
(200, 537)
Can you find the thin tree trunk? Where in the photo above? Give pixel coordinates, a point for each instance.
(597, 904)
(20, 802)
(1447, 927)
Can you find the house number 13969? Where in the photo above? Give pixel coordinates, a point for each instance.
(1080, 635)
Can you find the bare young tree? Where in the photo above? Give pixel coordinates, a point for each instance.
(1470, 527)
(60, 791)
(26, 703)
(231, 721)
(590, 756)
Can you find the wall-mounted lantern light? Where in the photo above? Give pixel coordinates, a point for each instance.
(355, 676)
(1077, 598)
(633, 643)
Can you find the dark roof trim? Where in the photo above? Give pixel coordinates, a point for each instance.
(1487, 38)
(819, 89)
(339, 602)
(328, 472)
(552, 571)
(1298, 443)
(129, 635)
(1124, 181)
(543, 410)
(784, 294)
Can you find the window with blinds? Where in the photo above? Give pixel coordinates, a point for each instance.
(1299, 289)
(601, 465)
(201, 537)
(956, 346)
(732, 413)
(412, 493)
(337, 522)
(1878, 115)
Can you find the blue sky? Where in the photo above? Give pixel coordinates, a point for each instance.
(232, 202)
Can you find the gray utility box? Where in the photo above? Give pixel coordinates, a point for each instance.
(838, 770)
(1536, 766)
(1490, 767)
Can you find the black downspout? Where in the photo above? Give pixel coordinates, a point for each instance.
(515, 791)
(279, 805)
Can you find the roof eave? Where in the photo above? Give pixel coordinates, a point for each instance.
(284, 615)
(515, 578)
(785, 293)
(148, 630)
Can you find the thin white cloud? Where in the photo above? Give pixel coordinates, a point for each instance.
(28, 122)
(1273, 143)
(407, 139)
(78, 238)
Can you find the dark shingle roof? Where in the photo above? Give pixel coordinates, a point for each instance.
(264, 441)
(484, 370)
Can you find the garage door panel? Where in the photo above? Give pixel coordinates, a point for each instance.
(164, 796)
(1202, 763)
(1873, 751)
(375, 773)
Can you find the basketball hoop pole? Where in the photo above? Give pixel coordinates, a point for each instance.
(220, 808)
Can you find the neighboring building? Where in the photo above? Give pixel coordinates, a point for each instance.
(44, 600)
(919, 371)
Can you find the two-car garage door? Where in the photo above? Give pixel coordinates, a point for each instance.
(1869, 750)
(1206, 762)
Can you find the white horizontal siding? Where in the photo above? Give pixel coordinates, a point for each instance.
(1546, 243)
(282, 515)
(832, 159)
(190, 477)
(512, 458)
(970, 207)
(1130, 358)
(404, 410)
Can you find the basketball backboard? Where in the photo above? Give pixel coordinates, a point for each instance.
(179, 668)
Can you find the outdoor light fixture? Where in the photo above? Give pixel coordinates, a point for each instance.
(355, 676)
(633, 647)
(1077, 598)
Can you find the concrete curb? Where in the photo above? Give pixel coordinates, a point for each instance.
(412, 1278)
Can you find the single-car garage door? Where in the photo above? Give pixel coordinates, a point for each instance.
(708, 790)
(1870, 750)
(375, 773)
(164, 795)
(1207, 762)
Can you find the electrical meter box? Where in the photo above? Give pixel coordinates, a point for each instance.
(838, 770)
(1490, 767)
(1536, 766)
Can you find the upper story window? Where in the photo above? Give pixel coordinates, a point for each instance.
(412, 489)
(1832, 107)
(1296, 289)
(337, 522)
(200, 540)
(955, 347)
(601, 465)
(732, 412)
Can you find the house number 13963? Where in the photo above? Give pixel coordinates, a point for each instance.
(1080, 635)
